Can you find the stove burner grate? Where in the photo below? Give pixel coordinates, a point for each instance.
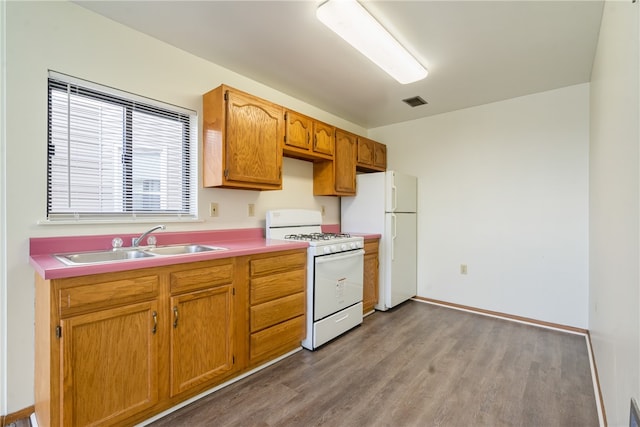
(317, 236)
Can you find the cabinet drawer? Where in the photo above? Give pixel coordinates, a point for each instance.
(277, 339)
(198, 278)
(274, 264)
(268, 288)
(276, 311)
(108, 293)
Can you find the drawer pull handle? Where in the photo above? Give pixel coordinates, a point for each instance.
(342, 318)
(175, 317)
(155, 322)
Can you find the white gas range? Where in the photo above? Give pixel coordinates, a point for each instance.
(335, 264)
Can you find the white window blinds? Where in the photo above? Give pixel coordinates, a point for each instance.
(114, 155)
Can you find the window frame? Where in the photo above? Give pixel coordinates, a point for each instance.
(131, 104)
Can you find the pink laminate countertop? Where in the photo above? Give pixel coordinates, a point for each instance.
(364, 235)
(238, 242)
(367, 235)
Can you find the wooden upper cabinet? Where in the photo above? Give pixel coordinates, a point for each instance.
(298, 130)
(380, 156)
(306, 138)
(372, 156)
(243, 137)
(365, 151)
(323, 137)
(345, 170)
(337, 177)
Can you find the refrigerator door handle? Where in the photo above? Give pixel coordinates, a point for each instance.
(394, 200)
(393, 237)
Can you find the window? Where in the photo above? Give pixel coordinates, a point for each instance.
(114, 155)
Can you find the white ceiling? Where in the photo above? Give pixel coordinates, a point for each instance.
(476, 51)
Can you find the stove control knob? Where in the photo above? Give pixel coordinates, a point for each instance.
(353, 245)
(326, 249)
(333, 248)
(343, 247)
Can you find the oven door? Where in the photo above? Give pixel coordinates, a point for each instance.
(338, 282)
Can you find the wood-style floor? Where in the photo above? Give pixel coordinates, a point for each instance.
(416, 365)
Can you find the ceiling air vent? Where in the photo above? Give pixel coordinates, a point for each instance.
(415, 101)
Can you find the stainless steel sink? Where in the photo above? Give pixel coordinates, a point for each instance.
(102, 256)
(182, 249)
(98, 257)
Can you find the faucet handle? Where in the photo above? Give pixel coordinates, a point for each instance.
(151, 240)
(116, 242)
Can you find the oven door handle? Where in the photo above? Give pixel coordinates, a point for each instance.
(339, 256)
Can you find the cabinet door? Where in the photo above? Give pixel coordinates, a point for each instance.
(202, 337)
(380, 156)
(372, 156)
(323, 136)
(345, 163)
(254, 134)
(371, 279)
(109, 364)
(298, 129)
(365, 151)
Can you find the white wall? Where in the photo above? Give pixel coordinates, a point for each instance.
(3, 224)
(614, 211)
(503, 188)
(67, 38)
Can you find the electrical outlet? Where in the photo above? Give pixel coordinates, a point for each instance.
(213, 209)
(322, 210)
(463, 268)
(252, 209)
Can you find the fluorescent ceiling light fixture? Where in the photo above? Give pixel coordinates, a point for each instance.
(354, 24)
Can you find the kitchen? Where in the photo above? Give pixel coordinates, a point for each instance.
(581, 290)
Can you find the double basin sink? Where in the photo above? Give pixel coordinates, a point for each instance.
(123, 254)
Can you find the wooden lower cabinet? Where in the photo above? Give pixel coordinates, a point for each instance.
(118, 348)
(371, 275)
(202, 337)
(110, 364)
(97, 348)
(277, 304)
(203, 325)
(278, 339)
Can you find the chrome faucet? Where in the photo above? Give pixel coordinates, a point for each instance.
(135, 241)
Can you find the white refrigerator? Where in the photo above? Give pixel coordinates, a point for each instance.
(386, 203)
